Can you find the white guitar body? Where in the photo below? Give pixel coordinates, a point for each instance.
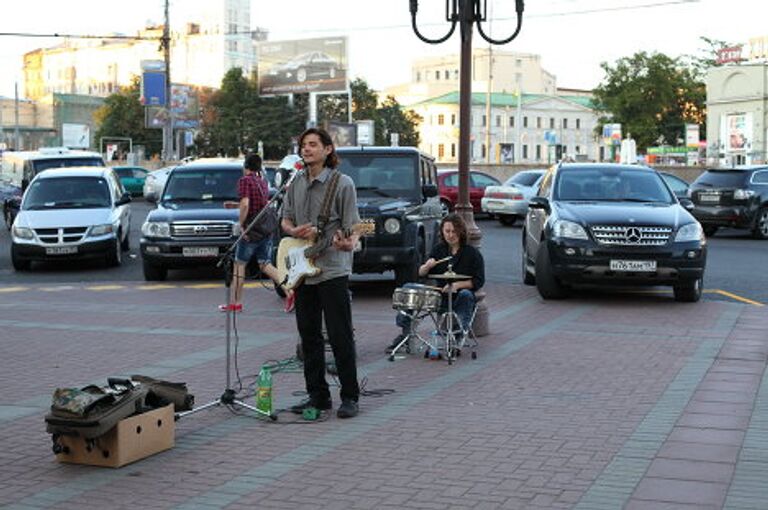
(292, 264)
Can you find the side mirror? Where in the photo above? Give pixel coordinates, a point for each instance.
(126, 198)
(687, 203)
(539, 203)
(429, 190)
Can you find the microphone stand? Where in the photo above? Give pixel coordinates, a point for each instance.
(229, 397)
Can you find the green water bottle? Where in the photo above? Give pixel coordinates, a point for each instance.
(264, 391)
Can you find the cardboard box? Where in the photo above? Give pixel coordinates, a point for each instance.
(132, 439)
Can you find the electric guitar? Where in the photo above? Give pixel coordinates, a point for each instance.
(295, 257)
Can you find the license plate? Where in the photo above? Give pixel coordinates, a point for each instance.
(633, 266)
(200, 251)
(711, 199)
(494, 204)
(61, 250)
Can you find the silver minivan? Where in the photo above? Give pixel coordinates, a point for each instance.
(72, 213)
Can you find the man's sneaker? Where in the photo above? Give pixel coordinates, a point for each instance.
(322, 405)
(233, 307)
(395, 343)
(347, 409)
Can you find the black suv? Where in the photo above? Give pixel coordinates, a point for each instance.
(190, 226)
(734, 197)
(396, 187)
(611, 224)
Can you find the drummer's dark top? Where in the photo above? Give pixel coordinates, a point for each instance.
(468, 260)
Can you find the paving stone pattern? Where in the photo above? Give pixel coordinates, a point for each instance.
(598, 402)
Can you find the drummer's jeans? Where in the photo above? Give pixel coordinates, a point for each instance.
(463, 305)
(330, 299)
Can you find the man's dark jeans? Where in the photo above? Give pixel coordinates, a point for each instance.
(329, 299)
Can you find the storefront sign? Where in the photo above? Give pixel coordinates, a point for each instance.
(729, 55)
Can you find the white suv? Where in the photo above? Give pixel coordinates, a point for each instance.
(72, 213)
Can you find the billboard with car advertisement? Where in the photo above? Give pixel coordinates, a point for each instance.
(300, 66)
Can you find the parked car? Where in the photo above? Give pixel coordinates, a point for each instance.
(448, 188)
(72, 213)
(133, 178)
(154, 183)
(396, 188)
(593, 223)
(678, 185)
(509, 201)
(190, 226)
(307, 66)
(17, 169)
(734, 197)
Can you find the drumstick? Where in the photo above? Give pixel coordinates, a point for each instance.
(446, 259)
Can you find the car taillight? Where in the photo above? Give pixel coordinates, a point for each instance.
(743, 194)
(507, 196)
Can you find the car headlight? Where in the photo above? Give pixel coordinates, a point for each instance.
(392, 226)
(690, 232)
(156, 229)
(100, 230)
(743, 194)
(569, 230)
(23, 233)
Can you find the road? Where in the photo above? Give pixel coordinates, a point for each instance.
(733, 268)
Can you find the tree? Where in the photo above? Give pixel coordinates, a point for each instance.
(392, 119)
(122, 115)
(650, 95)
(707, 57)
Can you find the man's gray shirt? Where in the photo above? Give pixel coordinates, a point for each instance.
(303, 204)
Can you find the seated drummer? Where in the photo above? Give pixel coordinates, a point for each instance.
(463, 259)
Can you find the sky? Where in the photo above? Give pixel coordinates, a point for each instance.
(572, 36)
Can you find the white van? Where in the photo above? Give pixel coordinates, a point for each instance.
(17, 169)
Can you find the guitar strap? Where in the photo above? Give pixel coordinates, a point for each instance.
(325, 215)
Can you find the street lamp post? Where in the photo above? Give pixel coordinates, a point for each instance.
(465, 13)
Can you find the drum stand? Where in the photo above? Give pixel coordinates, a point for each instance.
(416, 317)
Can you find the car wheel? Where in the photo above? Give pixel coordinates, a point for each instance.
(546, 282)
(301, 75)
(761, 224)
(115, 255)
(688, 291)
(153, 273)
(19, 264)
(406, 273)
(528, 278)
(709, 230)
(507, 219)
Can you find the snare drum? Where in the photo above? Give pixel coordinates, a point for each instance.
(416, 297)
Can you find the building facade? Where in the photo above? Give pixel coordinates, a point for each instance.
(531, 128)
(737, 114)
(208, 38)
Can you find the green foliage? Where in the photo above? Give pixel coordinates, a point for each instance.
(123, 116)
(651, 96)
(707, 56)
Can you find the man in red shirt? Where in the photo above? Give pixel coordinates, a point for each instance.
(253, 191)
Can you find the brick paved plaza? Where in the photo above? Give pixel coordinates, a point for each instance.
(603, 401)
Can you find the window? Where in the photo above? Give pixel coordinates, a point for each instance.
(760, 177)
(447, 74)
(551, 123)
(511, 121)
(525, 151)
(453, 150)
(482, 151)
(538, 122)
(525, 122)
(453, 119)
(578, 149)
(418, 76)
(437, 75)
(440, 151)
(484, 120)
(565, 123)
(498, 121)
(440, 119)
(538, 152)
(578, 123)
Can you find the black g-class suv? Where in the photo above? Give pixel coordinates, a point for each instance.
(396, 187)
(732, 197)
